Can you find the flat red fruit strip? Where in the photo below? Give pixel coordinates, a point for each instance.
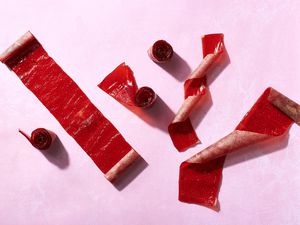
(200, 175)
(181, 130)
(70, 106)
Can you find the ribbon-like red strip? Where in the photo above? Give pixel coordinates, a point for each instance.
(181, 130)
(70, 106)
(200, 175)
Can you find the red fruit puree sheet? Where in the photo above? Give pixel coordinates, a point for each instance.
(121, 85)
(181, 130)
(70, 106)
(200, 175)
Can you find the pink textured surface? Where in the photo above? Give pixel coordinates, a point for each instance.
(89, 39)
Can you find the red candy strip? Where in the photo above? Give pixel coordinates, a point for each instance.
(199, 183)
(121, 85)
(40, 138)
(181, 130)
(161, 51)
(70, 106)
(263, 121)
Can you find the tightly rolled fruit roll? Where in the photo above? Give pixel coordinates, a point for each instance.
(161, 51)
(40, 138)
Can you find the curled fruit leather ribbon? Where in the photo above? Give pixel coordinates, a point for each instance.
(200, 175)
(40, 138)
(70, 106)
(181, 130)
(122, 86)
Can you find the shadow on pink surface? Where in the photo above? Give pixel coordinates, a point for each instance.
(201, 109)
(257, 150)
(130, 174)
(177, 67)
(159, 115)
(57, 154)
(218, 67)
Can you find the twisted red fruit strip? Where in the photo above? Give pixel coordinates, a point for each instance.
(181, 130)
(160, 51)
(200, 176)
(70, 106)
(40, 138)
(121, 85)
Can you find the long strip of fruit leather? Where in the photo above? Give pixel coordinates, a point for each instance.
(70, 106)
(121, 85)
(200, 175)
(181, 130)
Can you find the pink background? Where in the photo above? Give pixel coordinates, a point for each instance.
(89, 39)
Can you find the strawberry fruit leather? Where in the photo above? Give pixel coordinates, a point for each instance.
(70, 106)
(200, 182)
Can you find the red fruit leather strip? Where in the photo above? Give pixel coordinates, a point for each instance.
(121, 85)
(204, 169)
(70, 106)
(199, 183)
(286, 105)
(181, 130)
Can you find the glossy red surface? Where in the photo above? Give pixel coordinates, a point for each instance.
(121, 85)
(209, 43)
(196, 86)
(265, 118)
(71, 107)
(199, 183)
(183, 135)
